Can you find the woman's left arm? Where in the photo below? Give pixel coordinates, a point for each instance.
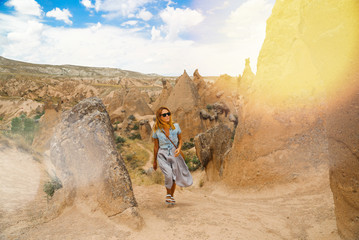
(178, 150)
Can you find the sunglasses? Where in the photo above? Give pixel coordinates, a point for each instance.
(166, 114)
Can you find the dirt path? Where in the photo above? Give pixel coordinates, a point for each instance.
(210, 212)
(296, 211)
(150, 160)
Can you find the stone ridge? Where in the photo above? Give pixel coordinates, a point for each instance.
(12, 66)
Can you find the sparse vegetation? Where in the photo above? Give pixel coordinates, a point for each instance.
(187, 145)
(192, 163)
(51, 186)
(134, 136)
(119, 141)
(136, 126)
(24, 127)
(209, 107)
(131, 117)
(39, 115)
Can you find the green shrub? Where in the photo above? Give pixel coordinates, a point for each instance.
(131, 117)
(187, 145)
(25, 127)
(51, 186)
(136, 126)
(192, 163)
(135, 136)
(119, 139)
(39, 115)
(209, 107)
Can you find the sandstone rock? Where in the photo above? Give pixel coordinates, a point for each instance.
(133, 103)
(233, 118)
(146, 97)
(220, 108)
(343, 131)
(219, 94)
(314, 72)
(47, 125)
(246, 80)
(91, 171)
(162, 99)
(184, 94)
(185, 104)
(204, 114)
(199, 82)
(211, 147)
(145, 130)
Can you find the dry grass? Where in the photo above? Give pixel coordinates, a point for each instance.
(136, 158)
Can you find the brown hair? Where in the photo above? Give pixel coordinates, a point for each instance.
(159, 123)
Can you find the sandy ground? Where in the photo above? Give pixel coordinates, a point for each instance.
(296, 211)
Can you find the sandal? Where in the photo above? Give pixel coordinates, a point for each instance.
(168, 199)
(173, 201)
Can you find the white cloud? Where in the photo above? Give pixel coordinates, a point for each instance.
(155, 34)
(144, 15)
(178, 20)
(87, 3)
(21, 37)
(248, 20)
(26, 38)
(26, 7)
(116, 8)
(130, 23)
(62, 15)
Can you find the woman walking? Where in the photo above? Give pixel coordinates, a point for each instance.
(167, 152)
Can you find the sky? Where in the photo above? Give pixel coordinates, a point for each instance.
(150, 36)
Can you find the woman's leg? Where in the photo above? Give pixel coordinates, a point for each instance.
(173, 189)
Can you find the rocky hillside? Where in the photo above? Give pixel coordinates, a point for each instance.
(11, 68)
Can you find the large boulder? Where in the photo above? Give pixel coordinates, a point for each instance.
(84, 155)
(211, 147)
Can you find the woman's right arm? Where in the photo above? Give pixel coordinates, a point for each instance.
(155, 151)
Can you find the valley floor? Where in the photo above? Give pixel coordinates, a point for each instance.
(210, 212)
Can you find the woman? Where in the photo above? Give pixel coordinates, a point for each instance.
(167, 148)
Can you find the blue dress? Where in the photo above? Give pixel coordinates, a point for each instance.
(174, 168)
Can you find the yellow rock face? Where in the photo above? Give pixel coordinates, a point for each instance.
(309, 47)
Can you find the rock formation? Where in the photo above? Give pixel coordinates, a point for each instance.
(211, 147)
(303, 110)
(199, 82)
(145, 129)
(162, 99)
(184, 94)
(343, 132)
(134, 103)
(185, 104)
(47, 124)
(121, 104)
(246, 80)
(85, 157)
